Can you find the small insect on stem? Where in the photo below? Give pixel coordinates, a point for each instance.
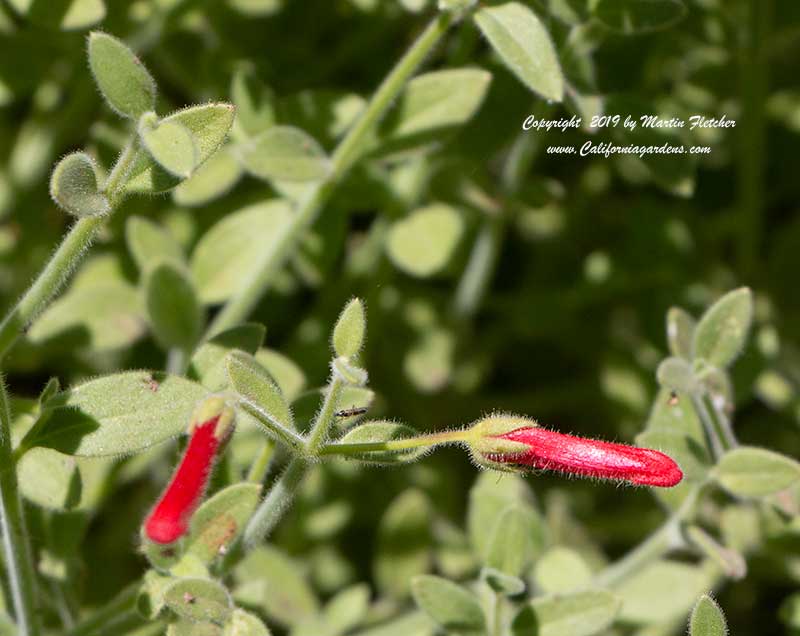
(673, 398)
(351, 412)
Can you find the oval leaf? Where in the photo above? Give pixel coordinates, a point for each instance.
(285, 153)
(257, 389)
(73, 186)
(348, 334)
(755, 472)
(524, 45)
(199, 600)
(707, 619)
(680, 332)
(213, 179)
(676, 374)
(121, 77)
(208, 363)
(722, 331)
(244, 623)
(580, 614)
(150, 244)
(450, 605)
(423, 243)
(170, 144)
(175, 313)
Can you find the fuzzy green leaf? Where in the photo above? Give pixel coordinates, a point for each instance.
(221, 519)
(523, 43)
(269, 580)
(755, 472)
(348, 334)
(73, 186)
(120, 414)
(382, 431)
(50, 479)
(176, 316)
(208, 363)
(707, 619)
(639, 16)
(287, 375)
(561, 570)
(199, 600)
(680, 332)
(258, 390)
(244, 623)
(255, 110)
(150, 244)
(121, 77)
(510, 549)
(208, 125)
(340, 615)
(215, 178)
(676, 374)
(235, 247)
(285, 153)
(452, 607)
(580, 614)
(423, 243)
(722, 331)
(170, 144)
(502, 583)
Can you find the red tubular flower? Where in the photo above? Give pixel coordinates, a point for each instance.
(508, 443)
(169, 520)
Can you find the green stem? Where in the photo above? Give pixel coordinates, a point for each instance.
(714, 435)
(423, 441)
(258, 471)
(344, 157)
(667, 537)
(18, 556)
(286, 435)
(64, 260)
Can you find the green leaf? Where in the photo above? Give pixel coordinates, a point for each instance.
(340, 615)
(502, 583)
(524, 45)
(199, 600)
(150, 244)
(257, 389)
(70, 15)
(121, 77)
(184, 627)
(348, 334)
(255, 110)
(707, 619)
(722, 331)
(176, 316)
(423, 243)
(235, 247)
(73, 186)
(404, 538)
(208, 125)
(580, 614)
(438, 100)
(755, 472)
(244, 623)
(207, 365)
(680, 332)
(50, 479)
(639, 16)
(215, 178)
(170, 144)
(221, 519)
(676, 374)
(561, 570)
(269, 580)
(287, 375)
(120, 414)
(382, 431)
(285, 153)
(451, 606)
(511, 549)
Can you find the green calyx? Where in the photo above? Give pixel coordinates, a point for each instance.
(485, 439)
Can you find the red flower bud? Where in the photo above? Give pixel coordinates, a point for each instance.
(169, 520)
(508, 442)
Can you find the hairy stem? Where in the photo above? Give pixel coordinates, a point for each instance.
(344, 157)
(258, 471)
(422, 441)
(18, 557)
(64, 259)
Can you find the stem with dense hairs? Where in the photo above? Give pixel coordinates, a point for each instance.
(422, 441)
(65, 259)
(18, 556)
(344, 157)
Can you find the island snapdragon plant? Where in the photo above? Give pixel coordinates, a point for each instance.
(254, 446)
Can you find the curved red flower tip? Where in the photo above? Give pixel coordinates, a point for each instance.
(169, 520)
(535, 447)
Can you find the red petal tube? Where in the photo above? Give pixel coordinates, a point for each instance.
(169, 520)
(592, 458)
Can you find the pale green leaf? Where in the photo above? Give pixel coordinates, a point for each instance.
(755, 472)
(285, 153)
(680, 332)
(121, 77)
(257, 389)
(73, 186)
(173, 308)
(215, 178)
(707, 619)
(50, 479)
(207, 365)
(235, 247)
(150, 244)
(287, 375)
(423, 243)
(561, 570)
(120, 414)
(170, 144)
(220, 520)
(580, 614)
(348, 334)
(511, 546)
(722, 331)
(502, 583)
(244, 623)
(454, 608)
(255, 110)
(523, 43)
(676, 374)
(199, 600)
